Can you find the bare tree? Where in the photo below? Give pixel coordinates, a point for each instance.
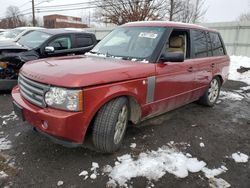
(188, 11)
(244, 17)
(120, 12)
(173, 9)
(199, 11)
(123, 11)
(13, 17)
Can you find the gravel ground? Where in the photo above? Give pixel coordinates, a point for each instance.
(34, 161)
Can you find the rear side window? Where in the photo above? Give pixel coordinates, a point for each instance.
(209, 45)
(83, 41)
(217, 47)
(200, 44)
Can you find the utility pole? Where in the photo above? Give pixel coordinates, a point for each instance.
(171, 12)
(33, 13)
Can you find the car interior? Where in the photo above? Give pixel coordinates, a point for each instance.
(177, 43)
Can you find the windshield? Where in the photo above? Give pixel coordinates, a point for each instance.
(33, 39)
(135, 43)
(11, 34)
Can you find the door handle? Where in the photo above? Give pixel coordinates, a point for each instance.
(213, 65)
(190, 69)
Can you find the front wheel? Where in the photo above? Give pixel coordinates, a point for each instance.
(212, 93)
(110, 125)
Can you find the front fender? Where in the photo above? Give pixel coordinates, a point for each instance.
(95, 97)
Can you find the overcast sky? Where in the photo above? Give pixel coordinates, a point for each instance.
(217, 10)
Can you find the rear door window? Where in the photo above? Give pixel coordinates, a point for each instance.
(83, 41)
(200, 46)
(217, 46)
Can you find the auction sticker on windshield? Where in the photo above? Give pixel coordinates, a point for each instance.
(148, 35)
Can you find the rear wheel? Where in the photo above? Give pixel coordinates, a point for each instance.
(212, 94)
(110, 125)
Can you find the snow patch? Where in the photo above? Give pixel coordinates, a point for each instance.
(3, 175)
(133, 145)
(9, 117)
(230, 96)
(17, 134)
(93, 169)
(95, 55)
(240, 157)
(94, 166)
(245, 88)
(236, 63)
(5, 144)
(211, 173)
(93, 176)
(153, 165)
(218, 183)
(59, 183)
(144, 61)
(83, 173)
(202, 145)
(107, 169)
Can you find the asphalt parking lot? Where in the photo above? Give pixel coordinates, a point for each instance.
(32, 160)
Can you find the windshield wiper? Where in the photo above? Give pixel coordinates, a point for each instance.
(108, 54)
(92, 52)
(21, 45)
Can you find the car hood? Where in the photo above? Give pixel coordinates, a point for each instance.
(10, 45)
(82, 71)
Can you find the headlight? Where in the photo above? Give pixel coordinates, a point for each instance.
(65, 99)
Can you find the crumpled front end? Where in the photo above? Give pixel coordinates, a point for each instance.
(10, 64)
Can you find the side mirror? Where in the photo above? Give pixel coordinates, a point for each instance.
(49, 49)
(172, 57)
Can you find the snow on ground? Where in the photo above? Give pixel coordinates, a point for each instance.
(3, 175)
(236, 63)
(211, 173)
(245, 88)
(202, 145)
(94, 173)
(5, 144)
(59, 183)
(84, 173)
(155, 164)
(240, 157)
(218, 183)
(10, 117)
(133, 145)
(230, 96)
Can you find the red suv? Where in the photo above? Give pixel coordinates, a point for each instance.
(138, 71)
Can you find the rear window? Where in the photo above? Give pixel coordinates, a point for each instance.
(83, 41)
(200, 44)
(217, 47)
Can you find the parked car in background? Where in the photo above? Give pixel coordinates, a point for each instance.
(138, 71)
(40, 44)
(17, 33)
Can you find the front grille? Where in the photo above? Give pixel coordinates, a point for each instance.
(32, 91)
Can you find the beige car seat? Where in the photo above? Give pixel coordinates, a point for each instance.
(176, 44)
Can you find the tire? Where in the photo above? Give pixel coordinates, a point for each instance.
(110, 125)
(212, 93)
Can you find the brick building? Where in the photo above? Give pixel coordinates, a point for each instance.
(61, 21)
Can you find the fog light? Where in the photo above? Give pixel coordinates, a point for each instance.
(45, 125)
